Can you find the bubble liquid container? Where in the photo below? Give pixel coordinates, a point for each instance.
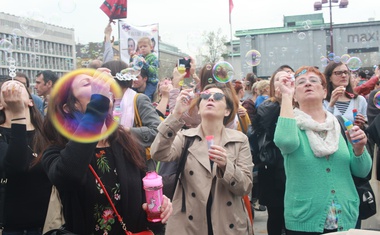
(152, 183)
(348, 124)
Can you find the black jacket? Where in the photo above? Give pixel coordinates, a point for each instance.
(271, 177)
(67, 168)
(28, 189)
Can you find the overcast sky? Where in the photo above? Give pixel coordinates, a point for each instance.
(181, 20)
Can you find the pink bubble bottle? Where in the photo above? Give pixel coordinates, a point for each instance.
(152, 183)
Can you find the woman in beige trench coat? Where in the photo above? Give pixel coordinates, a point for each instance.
(209, 198)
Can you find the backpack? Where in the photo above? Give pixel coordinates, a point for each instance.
(170, 180)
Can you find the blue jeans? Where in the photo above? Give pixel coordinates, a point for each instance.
(24, 232)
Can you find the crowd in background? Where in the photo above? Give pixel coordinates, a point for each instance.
(304, 181)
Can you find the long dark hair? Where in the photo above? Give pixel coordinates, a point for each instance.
(35, 119)
(131, 149)
(328, 73)
(272, 91)
(117, 66)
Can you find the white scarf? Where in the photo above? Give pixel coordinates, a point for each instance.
(321, 147)
(127, 108)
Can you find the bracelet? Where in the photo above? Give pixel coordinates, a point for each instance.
(17, 119)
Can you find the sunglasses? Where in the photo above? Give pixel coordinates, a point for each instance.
(217, 96)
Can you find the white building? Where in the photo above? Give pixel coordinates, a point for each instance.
(35, 46)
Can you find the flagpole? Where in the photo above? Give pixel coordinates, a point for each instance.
(232, 48)
(231, 5)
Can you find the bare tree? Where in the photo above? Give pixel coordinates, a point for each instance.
(214, 47)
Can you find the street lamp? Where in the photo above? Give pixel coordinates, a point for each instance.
(318, 6)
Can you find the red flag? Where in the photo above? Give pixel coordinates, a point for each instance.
(231, 7)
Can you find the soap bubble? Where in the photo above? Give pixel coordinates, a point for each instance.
(301, 36)
(137, 62)
(223, 72)
(32, 23)
(253, 58)
(344, 58)
(6, 45)
(67, 6)
(64, 124)
(331, 56)
(354, 63)
(324, 61)
(376, 99)
(16, 33)
(337, 59)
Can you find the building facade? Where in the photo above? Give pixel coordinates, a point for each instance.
(305, 40)
(35, 46)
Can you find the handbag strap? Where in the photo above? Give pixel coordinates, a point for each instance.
(124, 227)
(241, 124)
(138, 122)
(181, 165)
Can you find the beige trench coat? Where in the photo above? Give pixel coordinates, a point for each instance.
(228, 213)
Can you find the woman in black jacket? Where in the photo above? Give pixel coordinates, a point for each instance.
(28, 188)
(84, 104)
(271, 173)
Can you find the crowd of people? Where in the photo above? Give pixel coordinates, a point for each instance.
(299, 168)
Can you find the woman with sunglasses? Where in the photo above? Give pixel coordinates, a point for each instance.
(206, 77)
(28, 188)
(341, 98)
(320, 194)
(216, 174)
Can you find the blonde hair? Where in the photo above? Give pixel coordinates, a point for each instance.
(144, 40)
(253, 89)
(261, 86)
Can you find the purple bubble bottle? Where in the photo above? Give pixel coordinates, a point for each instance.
(152, 183)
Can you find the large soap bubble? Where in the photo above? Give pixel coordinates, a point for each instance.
(67, 126)
(137, 62)
(32, 23)
(354, 63)
(253, 58)
(223, 72)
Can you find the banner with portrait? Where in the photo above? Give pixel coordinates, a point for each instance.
(130, 34)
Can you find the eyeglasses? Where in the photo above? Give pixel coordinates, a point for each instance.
(339, 73)
(217, 96)
(312, 80)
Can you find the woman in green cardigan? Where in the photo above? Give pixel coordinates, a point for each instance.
(320, 195)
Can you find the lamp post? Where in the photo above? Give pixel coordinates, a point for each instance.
(318, 6)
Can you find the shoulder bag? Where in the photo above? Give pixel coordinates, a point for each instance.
(373, 222)
(367, 207)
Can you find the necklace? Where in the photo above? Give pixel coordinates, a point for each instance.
(33, 153)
